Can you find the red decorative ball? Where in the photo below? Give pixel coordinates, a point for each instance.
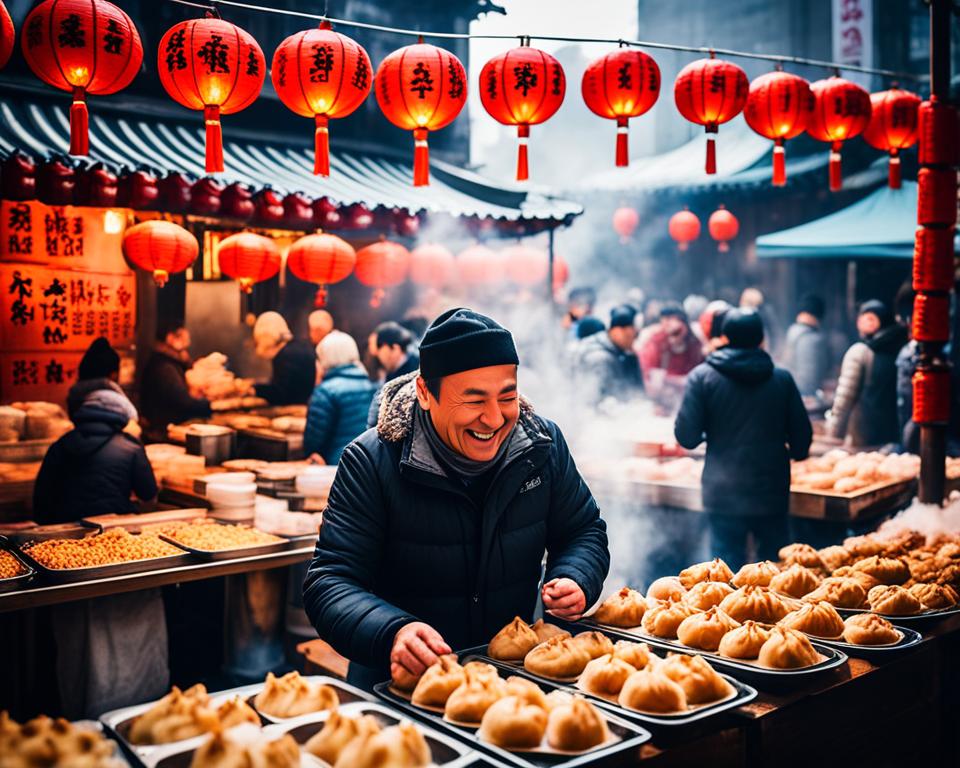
(248, 258)
(479, 265)
(621, 85)
(684, 228)
(778, 107)
(18, 177)
(892, 126)
(625, 221)
(213, 65)
(321, 259)
(841, 111)
(723, 227)
(432, 265)
(381, 265)
(525, 265)
(421, 88)
(7, 35)
(137, 190)
(160, 247)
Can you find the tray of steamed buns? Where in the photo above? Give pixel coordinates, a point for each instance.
(183, 720)
(517, 720)
(662, 689)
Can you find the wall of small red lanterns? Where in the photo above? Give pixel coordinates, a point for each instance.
(216, 67)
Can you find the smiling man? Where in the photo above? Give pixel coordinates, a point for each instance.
(438, 520)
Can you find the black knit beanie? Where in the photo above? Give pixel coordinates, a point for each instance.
(99, 361)
(462, 340)
(743, 328)
(878, 308)
(622, 315)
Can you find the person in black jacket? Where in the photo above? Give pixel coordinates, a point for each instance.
(93, 469)
(753, 420)
(294, 362)
(164, 394)
(438, 519)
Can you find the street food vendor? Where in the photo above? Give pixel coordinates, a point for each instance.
(439, 518)
(294, 365)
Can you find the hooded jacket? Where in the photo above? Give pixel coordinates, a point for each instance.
(865, 406)
(403, 541)
(606, 370)
(93, 469)
(337, 412)
(753, 419)
(164, 394)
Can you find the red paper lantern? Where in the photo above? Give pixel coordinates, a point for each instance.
(321, 74)
(56, 182)
(621, 85)
(561, 272)
(432, 265)
(421, 88)
(7, 35)
(236, 201)
(405, 223)
(723, 227)
(174, 192)
(18, 177)
(248, 258)
(684, 228)
(326, 214)
(84, 47)
(931, 317)
(160, 247)
(939, 130)
(892, 126)
(213, 65)
(321, 259)
(625, 221)
(841, 110)
(357, 216)
(268, 206)
(778, 107)
(937, 197)
(205, 196)
(525, 265)
(298, 210)
(709, 92)
(522, 87)
(933, 259)
(480, 266)
(138, 190)
(931, 396)
(96, 186)
(381, 265)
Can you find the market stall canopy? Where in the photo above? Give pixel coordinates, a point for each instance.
(881, 225)
(374, 176)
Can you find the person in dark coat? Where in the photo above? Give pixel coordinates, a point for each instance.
(753, 420)
(865, 406)
(337, 413)
(164, 394)
(99, 369)
(806, 355)
(294, 362)
(606, 364)
(93, 469)
(390, 344)
(438, 519)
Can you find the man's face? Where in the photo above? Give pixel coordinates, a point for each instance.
(476, 411)
(674, 326)
(623, 336)
(179, 340)
(390, 356)
(868, 324)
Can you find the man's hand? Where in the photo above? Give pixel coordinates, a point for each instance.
(415, 647)
(564, 599)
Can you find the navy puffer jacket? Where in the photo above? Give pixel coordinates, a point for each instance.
(402, 541)
(337, 413)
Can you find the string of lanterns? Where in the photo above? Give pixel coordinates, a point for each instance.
(216, 67)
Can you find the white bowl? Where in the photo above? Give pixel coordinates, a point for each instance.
(232, 495)
(231, 478)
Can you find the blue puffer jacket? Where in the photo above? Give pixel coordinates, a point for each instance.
(337, 413)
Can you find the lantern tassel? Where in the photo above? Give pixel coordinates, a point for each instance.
(377, 297)
(214, 139)
(723, 247)
(421, 158)
(320, 299)
(893, 170)
(79, 124)
(622, 145)
(836, 178)
(523, 168)
(160, 277)
(321, 146)
(779, 164)
(711, 151)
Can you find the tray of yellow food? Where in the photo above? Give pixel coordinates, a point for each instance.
(14, 572)
(46, 742)
(608, 668)
(518, 720)
(215, 540)
(116, 552)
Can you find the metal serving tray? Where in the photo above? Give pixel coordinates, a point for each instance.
(70, 575)
(447, 752)
(908, 639)
(932, 615)
(210, 555)
(743, 693)
(833, 657)
(15, 582)
(180, 755)
(628, 735)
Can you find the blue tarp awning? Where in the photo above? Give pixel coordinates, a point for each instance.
(881, 225)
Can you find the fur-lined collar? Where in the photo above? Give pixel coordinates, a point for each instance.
(395, 418)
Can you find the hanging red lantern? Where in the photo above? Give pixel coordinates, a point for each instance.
(248, 258)
(321, 74)
(933, 259)
(937, 197)
(213, 65)
(841, 111)
(892, 126)
(7, 35)
(931, 317)
(137, 190)
(621, 85)
(421, 88)
(83, 47)
(710, 92)
(684, 228)
(382, 265)
(931, 396)
(723, 227)
(321, 259)
(625, 221)
(939, 131)
(778, 108)
(561, 272)
(522, 87)
(480, 266)
(432, 265)
(525, 265)
(160, 247)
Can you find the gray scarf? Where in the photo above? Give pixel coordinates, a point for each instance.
(467, 469)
